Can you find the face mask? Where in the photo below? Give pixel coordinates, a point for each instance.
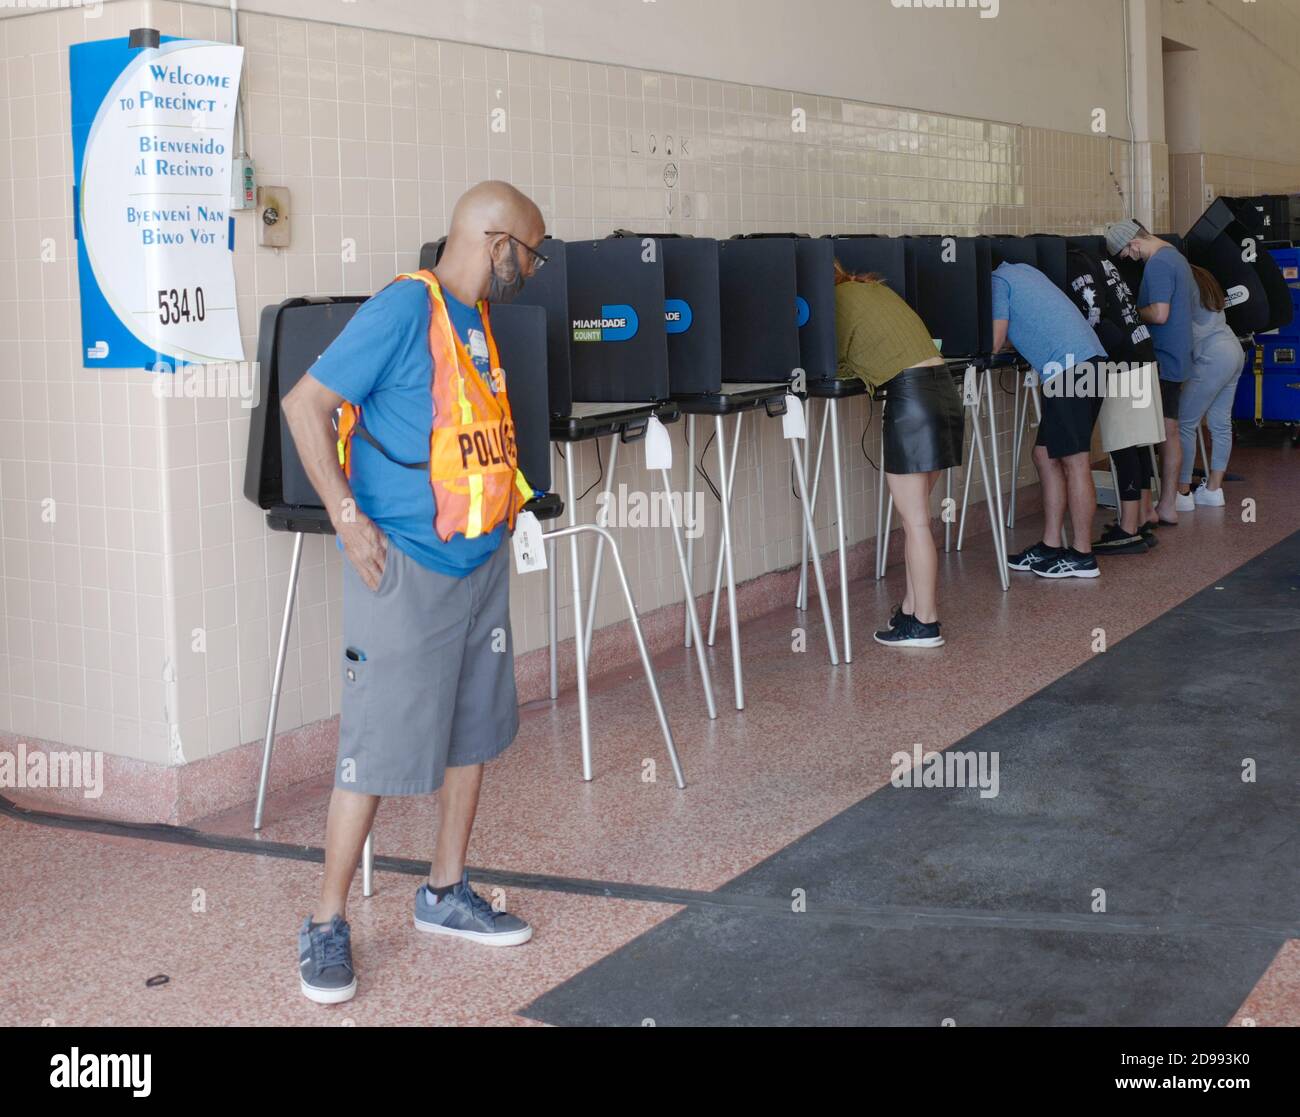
(504, 289)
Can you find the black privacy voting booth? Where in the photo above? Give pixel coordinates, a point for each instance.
(1013, 250)
(290, 336)
(819, 360)
(864, 254)
(692, 315)
(1258, 297)
(760, 312)
(1051, 251)
(954, 297)
(602, 303)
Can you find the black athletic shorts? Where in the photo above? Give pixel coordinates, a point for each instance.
(1170, 393)
(1067, 423)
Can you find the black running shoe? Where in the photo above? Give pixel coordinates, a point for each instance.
(911, 633)
(1069, 563)
(1033, 557)
(1149, 537)
(898, 616)
(1116, 541)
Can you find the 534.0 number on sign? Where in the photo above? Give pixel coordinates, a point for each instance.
(180, 306)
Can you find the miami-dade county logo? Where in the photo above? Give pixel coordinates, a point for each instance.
(617, 322)
(677, 316)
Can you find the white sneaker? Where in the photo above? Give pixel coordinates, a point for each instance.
(1185, 502)
(1207, 497)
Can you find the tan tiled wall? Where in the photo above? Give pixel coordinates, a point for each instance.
(376, 135)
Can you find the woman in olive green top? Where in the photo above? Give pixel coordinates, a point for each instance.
(884, 342)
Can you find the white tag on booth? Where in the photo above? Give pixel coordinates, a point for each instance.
(970, 393)
(792, 423)
(658, 446)
(530, 547)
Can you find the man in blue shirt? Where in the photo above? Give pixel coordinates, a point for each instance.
(1165, 302)
(1041, 323)
(428, 668)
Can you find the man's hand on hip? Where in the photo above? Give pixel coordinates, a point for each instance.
(366, 548)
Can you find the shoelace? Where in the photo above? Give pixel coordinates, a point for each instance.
(479, 906)
(332, 948)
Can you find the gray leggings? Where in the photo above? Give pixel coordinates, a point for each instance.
(1208, 393)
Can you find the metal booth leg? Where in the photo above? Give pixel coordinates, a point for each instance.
(988, 498)
(816, 555)
(837, 464)
(552, 615)
(600, 543)
(572, 531)
(268, 742)
(552, 611)
(692, 616)
(947, 512)
(727, 470)
(801, 599)
(688, 510)
(1018, 443)
(724, 497)
(579, 644)
(882, 533)
(368, 866)
(997, 520)
(889, 530)
(973, 411)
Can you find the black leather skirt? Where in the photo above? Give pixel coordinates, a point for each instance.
(924, 421)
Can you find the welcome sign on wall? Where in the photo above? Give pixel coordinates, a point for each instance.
(151, 140)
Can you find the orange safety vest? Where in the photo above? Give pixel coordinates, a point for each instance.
(473, 462)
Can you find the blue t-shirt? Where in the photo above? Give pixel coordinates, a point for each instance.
(1043, 324)
(381, 362)
(1167, 278)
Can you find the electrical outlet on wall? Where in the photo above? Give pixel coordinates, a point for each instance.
(273, 216)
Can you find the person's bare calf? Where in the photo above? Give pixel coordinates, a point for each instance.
(1171, 460)
(351, 814)
(457, 805)
(1081, 494)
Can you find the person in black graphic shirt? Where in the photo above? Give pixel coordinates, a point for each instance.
(1106, 300)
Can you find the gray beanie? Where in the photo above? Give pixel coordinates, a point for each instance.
(1119, 233)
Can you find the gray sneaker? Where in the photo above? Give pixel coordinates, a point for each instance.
(464, 913)
(325, 961)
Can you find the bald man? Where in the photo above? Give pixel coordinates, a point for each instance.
(421, 484)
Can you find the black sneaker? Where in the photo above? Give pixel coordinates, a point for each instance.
(1149, 537)
(1116, 541)
(1038, 555)
(911, 633)
(1069, 563)
(898, 616)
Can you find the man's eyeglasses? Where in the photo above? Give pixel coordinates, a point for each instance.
(538, 259)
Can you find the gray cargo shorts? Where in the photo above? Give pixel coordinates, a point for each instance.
(428, 675)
